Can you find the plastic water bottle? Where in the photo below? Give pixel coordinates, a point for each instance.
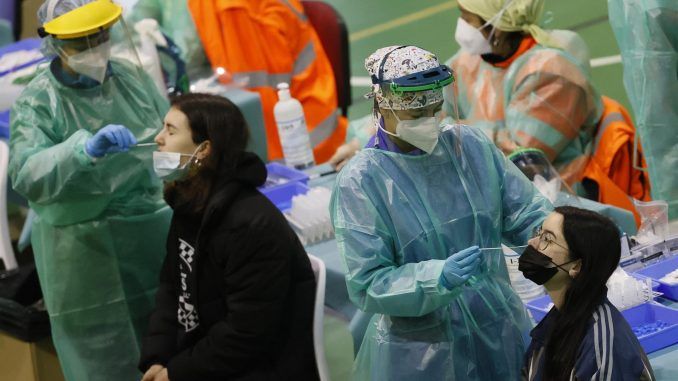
(289, 116)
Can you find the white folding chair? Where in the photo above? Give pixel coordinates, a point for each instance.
(6, 251)
(318, 318)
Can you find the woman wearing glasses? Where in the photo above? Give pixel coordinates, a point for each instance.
(583, 337)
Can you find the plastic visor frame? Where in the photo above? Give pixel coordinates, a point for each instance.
(432, 79)
(83, 21)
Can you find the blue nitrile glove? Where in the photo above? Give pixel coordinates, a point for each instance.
(459, 267)
(112, 138)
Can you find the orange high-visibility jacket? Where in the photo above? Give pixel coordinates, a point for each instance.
(268, 42)
(611, 163)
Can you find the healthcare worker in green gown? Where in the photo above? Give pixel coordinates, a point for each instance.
(101, 222)
(418, 215)
(647, 34)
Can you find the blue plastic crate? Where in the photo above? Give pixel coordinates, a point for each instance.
(282, 196)
(4, 125)
(540, 306)
(651, 313)
(659, 270)
(283, 183)
(642, 315)
(280, 176)
(25, 44)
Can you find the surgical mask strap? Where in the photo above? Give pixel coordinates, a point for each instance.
(563, 264)
(384, 128)
(193, 155)
(396, 115)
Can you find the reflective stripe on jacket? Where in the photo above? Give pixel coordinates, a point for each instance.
(266, 42)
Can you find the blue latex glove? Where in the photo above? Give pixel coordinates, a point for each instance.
(459, 267)
(112, 138)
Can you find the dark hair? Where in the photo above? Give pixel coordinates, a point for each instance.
(217, 119)
(594, 239)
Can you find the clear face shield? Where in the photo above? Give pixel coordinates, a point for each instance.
(96, 56)
(538, 169)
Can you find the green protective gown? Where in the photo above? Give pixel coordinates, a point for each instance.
(397, 218)
(99, 236)
(647, 34)
(175, 21)
(544, 99)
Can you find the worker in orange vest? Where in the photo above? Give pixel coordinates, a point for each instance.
(265, 42)
(526, 87)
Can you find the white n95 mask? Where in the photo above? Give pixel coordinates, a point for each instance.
(471, 39)
(422, 132)
(92, 62)
(167, 165)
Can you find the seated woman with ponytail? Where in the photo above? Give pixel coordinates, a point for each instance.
(583, 337)
(237, 291)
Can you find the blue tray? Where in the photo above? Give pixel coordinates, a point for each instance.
(649, 313)
(283, 183)
(539, 307)
(26, 44)
(280, 176)
(641, 315)
(282, 196)
(659, 270)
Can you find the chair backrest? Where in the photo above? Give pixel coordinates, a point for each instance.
(318, 317)
(333, 34)
(6, 251)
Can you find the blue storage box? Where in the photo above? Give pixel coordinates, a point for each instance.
(282, 196)
(4, 124)
(25, 44)
(659, 270)
(280, 176)
(639, 316)
(649, 314)
(283, 183)
(540, 306)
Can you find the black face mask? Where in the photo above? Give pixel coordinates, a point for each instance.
(535, 266)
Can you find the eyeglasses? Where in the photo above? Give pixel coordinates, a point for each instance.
(544, 241)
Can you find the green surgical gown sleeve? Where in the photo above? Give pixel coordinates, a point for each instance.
(43, 169)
